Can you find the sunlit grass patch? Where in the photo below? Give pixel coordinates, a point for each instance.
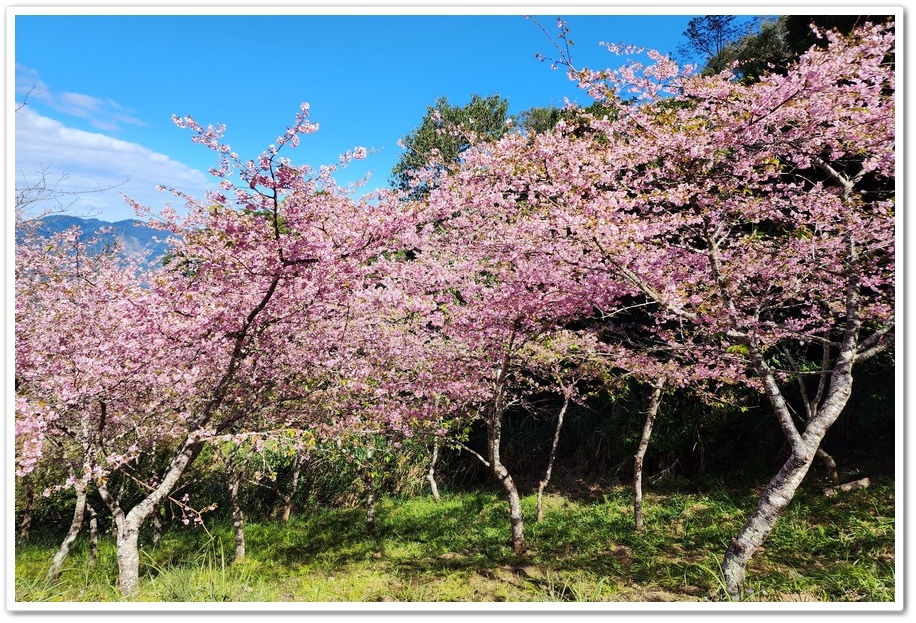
(459, 550)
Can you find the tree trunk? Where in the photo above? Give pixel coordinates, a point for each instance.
(515, 507)
(494, 438)
(431, 474)
(156, 519)
(127, 525)
(93, 535)
(234, 477)
(288, 498)
(369, 482)
(832, 472)
(370, 511)
(79, 513)
(655, 400)
(781, 489)
(773, 501)
(28, 509)
(553, 455)
(128, 555)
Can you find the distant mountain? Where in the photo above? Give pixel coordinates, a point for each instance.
(131, 234)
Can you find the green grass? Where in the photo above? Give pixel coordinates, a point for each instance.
(837, 549)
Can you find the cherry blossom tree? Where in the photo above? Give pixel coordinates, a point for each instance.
(509, 235)
(761, 216)
(247, 308)
(77, 363)
(484, 291)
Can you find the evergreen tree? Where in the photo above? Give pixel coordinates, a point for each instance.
(445, 132)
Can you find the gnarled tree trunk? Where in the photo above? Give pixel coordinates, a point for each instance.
(773, 501)
(127, 525)
(821, 415)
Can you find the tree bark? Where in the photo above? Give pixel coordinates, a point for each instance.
(288, 498)
(369, 483)
(862, 483)
(431, 474)
(127, 525)
(773, 501)
(76, 524)
(655, 399)
(28, 509)
(494, 419)
(128, 555)
(515, 507)
(234, 478)
(781, 489)
(93, 535)
(494, 438)
(553, 455)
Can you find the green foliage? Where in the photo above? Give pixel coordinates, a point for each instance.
(780, 41)
(445, 131)
(539, 120)
(332, 475)
(757, 53)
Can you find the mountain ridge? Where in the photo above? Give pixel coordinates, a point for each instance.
(131, 234)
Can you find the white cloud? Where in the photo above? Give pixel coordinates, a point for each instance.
(80, 100)
(90, 161)
(104, 114)
(29, 85)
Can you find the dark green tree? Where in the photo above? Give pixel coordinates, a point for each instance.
(444, 133)
(539, 119)
(708, 36)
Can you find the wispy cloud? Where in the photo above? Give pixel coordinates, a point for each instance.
(104, 114)
(90, 161)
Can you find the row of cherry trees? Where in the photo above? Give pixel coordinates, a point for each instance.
(700, 232)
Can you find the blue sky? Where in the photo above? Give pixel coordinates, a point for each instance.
(103, 94)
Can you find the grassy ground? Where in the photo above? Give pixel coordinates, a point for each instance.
(825, 549)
